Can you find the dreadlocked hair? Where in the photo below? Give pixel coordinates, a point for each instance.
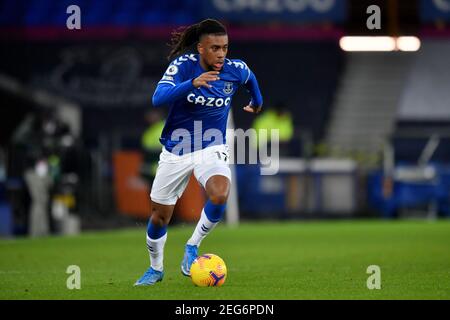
(184, 38)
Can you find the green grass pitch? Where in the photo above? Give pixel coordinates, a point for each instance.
(267, 260)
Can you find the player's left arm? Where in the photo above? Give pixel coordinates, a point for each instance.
(252, 87)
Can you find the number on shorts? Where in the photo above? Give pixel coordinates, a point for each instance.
(219, 155)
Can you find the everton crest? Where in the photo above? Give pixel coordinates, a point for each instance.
(228, 87)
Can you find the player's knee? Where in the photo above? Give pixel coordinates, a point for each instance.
(159, 220)
(219, 198)
(217, 190)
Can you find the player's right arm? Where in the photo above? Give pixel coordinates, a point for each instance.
(167, 93)
(172, 87)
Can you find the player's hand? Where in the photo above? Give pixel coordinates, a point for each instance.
(252, 109)
(203, 79)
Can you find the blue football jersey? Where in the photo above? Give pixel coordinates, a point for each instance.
(197, 110)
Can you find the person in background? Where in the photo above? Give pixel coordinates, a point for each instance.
(47, 143)
(277, 117)
(151, 146)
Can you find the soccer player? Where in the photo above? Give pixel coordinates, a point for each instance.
(198, 89)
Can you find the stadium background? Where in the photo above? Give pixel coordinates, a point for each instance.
(371, 129)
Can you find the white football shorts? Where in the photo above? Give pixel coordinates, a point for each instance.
(174, 171)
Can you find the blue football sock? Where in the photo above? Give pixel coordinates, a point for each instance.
(155, 232)
(214, 212)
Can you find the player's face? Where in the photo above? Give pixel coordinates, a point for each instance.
(213, 50)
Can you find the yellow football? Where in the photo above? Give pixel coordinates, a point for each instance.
(208, 270)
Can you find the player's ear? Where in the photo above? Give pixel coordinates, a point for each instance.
(200, 48)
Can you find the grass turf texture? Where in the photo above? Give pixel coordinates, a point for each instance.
(289, 260)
